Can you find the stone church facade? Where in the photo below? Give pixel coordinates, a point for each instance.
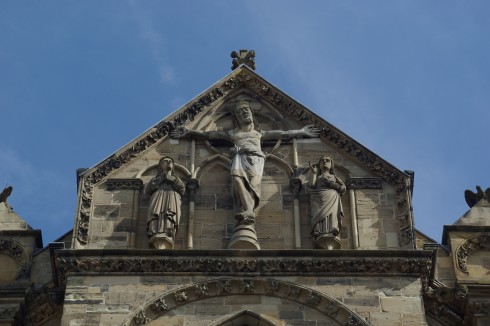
(212, 262)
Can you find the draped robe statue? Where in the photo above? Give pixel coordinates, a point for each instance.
(165, 191)
(325, 190)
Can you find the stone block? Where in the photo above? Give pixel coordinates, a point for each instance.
(213, 231)
(269, 231)
(224, 217)
(271, 243)
(266, 205)
(291, 315)
(212, 310)
(124, 225)
(112, 319)
(224, 201)
(109, 309)
(242, 299)
(123, 196)
(102, 196)
(207, 243)
(126, 210)
(362, 300)
(392, 240)
(205, 201)
(171, 321)
(277, 217)
(106, 211)
(413, 318)
(402, 305)
(385, 318)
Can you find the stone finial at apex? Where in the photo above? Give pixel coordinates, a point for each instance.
(4, 195)
(243, 57)
(474, 198)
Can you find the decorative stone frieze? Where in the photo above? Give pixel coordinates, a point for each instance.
(480, 242)
(443, 314)
(364, 183)
(407, 233)
(243, 263)
(447, 304)
(43, 305)
(124, 184)
(159, 305)
(16, 251)
(8, 313)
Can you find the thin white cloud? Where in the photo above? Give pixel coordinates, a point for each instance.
(155, 42)
(35, 193)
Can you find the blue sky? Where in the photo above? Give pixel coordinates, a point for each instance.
(409, 80)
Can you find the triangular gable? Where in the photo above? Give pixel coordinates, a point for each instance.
(241, 78)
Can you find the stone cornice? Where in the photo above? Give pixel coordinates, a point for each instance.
(462, 228)
(244, 262)
(246, 78)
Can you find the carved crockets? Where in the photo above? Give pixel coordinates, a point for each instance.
(325, 189)
(165, 191)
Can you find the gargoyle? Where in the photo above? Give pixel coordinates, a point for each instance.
(472, 199)
(5, 194)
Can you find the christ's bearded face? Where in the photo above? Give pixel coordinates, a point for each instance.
(243, 113)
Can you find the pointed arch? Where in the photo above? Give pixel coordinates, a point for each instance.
(177, 166)
(169, 300)
(217, 157)
(243, 317)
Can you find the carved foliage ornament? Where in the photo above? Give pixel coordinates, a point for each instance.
(124, 184)
(43, 305)
(481, 242)
(214, 288)
(242, 78)
(419, 266)
(15, 250)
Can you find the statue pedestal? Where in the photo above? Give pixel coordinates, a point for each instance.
(244, 237)
(161, 241)
(327, 241)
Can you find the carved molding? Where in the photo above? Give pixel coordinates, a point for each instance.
(16, 251)
(479, 308)
(217, 263)
(239, 78)
(245, 286)
(192, 186)
(443, 314)
(455, 306)
(9, 312)
(295, 185)
(42, 305)
(364, 183)
(480, 242)
(124, 184)
(406, 231)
